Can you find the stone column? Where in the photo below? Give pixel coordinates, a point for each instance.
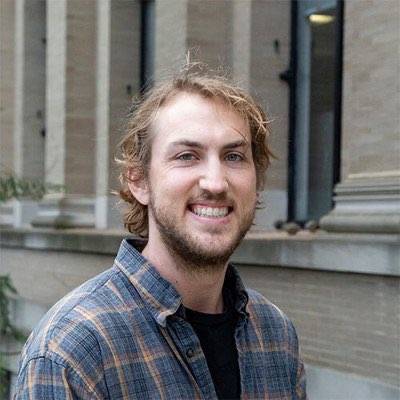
(30, 56)
(118, 78)
(7, 22)
(368, 197)
(204, 27)
(269, 56)
(70, 114)
(170, 37)
(241, 42)
(209, 31)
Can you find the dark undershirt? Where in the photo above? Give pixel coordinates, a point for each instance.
(216, 334)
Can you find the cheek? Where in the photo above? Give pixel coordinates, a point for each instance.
(249, 192)
(246, 181)
(173, 183)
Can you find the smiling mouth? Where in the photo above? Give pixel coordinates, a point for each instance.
(210, 212)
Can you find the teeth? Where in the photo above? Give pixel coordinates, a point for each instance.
(214, 212)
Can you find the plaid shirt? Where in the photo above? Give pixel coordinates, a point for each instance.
(122, 335)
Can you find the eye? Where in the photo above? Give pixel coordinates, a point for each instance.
(186, 157)
(234, 157)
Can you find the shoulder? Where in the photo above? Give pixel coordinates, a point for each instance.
(261, 307)
(69, 332)
(270, 319)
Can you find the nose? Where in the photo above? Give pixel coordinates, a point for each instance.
(213, 179)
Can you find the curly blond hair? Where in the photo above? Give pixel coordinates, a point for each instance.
(135, 147)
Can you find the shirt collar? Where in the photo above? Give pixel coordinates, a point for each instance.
(159, 295)
(235, 283)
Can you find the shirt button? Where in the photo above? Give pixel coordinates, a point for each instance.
(190, 353)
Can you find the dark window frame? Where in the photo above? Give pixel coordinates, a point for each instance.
(291, 78)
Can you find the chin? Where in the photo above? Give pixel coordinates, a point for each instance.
(210, 253)
(199, 248)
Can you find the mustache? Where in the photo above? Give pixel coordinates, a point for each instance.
(217, 197)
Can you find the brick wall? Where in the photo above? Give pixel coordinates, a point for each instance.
(348, 322)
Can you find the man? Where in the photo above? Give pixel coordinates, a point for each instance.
(174, 321)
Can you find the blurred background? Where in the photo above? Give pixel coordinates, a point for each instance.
(325, 246)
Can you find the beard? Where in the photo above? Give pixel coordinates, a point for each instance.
(190, 249)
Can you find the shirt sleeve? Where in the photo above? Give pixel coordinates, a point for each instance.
(301, 381)
(45, 379)
(298, 370)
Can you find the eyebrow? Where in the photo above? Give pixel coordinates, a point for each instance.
(191, 143)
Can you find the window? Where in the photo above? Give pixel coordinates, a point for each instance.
(315, 107)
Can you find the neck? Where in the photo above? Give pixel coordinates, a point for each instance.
(201, 289)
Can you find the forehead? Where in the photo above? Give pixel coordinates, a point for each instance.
(191, 116)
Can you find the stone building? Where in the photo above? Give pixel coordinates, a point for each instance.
(326, 71)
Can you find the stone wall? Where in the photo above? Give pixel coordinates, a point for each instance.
(349, 322)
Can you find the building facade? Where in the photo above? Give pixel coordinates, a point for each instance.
(325, 246)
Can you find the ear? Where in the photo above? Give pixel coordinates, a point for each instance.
(139, 188)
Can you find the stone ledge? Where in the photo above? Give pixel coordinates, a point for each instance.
(104, 242)
(342, 252)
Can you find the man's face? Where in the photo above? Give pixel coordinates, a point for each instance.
(202, 180)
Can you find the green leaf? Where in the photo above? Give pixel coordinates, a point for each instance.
(12, 187)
